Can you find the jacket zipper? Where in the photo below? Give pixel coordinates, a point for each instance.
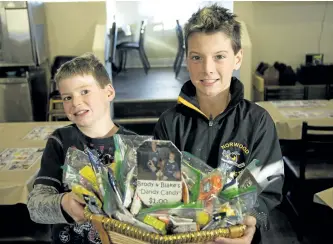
(210, 128)
(211, 121)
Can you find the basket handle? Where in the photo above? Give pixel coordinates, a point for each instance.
(97, 222)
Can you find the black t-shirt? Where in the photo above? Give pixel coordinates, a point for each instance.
(50, 174)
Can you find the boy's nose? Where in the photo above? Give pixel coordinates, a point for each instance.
(209, 66)
(76, 101)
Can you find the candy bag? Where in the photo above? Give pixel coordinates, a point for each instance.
(76, 158)
(110, 205)
(196, 163)
(94, 204)
(242, 201)
(126, 158)
(71, 176)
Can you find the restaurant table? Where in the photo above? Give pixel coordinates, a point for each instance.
(21, 147)
(288, 116)
(324, 197)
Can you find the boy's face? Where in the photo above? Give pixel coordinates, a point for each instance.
(172, 157)
(211, 62)
(85, 102)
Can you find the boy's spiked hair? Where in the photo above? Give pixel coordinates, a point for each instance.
(212, 19)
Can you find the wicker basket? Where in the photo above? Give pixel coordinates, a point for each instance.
(114, 231)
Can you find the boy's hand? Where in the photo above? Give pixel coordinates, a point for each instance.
(177, 175)
(74, 206)
(250, 223)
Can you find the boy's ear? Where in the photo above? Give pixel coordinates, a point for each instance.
(238, 59)
(111, 93)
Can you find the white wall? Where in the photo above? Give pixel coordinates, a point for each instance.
(286, 31)
(71, 26)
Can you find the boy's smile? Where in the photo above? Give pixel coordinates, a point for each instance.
(208, 82)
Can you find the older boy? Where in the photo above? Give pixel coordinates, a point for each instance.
(213, 121)
(86, 92)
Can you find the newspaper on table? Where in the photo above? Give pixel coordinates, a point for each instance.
(41, 132)
(299, 104)
(309, 114)
(19, 158)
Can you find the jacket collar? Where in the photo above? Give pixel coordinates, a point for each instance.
(188, 97)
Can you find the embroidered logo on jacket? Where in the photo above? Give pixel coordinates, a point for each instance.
(233, 160)
(237, 145)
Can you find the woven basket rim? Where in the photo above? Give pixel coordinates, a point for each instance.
(113, 225)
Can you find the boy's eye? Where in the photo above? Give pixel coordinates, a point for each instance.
(195, 57)
(84, 92)
(219, 57)
(66, 98)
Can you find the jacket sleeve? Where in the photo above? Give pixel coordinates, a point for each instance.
(266, 149)
(161, 130)
(44, 201)
(44, 205)
(50, 172)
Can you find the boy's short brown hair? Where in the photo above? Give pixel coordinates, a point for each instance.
(86, 64)
(213, 19)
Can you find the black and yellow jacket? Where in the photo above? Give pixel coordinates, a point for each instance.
(240, 134)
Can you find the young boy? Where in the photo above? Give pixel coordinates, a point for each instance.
(86, 91)
(171, 168)
(212, 118)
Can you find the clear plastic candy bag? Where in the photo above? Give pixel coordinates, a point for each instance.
(76, 158)
(242, 201)
(126, 159)
(196, 163)
(71, 176)
(193, 171)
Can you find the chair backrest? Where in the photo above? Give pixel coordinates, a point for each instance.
(142, 33)
(53, 89)
(317, 144)
(113, 42)
(58, 61)
(272, 93)
(180, 34)
(329, 91)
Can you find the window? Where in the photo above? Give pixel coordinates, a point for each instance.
(163, 14)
